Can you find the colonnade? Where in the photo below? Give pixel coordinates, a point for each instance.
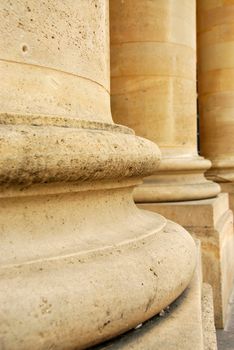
(80, 262)
(153, 85)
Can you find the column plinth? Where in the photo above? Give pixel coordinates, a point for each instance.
(80, 263)
(153, 69)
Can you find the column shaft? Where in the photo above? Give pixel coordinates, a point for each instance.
(153, 81)
(216, 89)
(48, 58)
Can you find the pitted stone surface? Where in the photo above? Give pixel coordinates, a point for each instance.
(210, 221)
(55, 54)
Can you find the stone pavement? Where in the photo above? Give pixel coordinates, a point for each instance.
(225, 337)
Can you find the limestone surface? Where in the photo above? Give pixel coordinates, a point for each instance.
(187, 324)
(153, 91)
(210, 221)
(80, 263)
(216, 86)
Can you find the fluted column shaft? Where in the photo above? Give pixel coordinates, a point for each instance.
(153, 83)
(216, 86)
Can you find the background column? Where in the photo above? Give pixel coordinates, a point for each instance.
(216, 90)
(153, 84)
(153, 69)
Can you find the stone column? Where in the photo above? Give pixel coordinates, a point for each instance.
(216, 89)
(80, 263)
(153, 59)
(153, 70)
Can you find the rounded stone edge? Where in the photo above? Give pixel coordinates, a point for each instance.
(156, 272)
(174, 193)
(60, 121)
(47, 154)
(178, 179)
(222, 171)
(188, 163)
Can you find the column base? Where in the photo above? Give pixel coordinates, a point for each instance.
(82, 264)
(79, 262)
(187, 324)
(177, 179)
(211, 221)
